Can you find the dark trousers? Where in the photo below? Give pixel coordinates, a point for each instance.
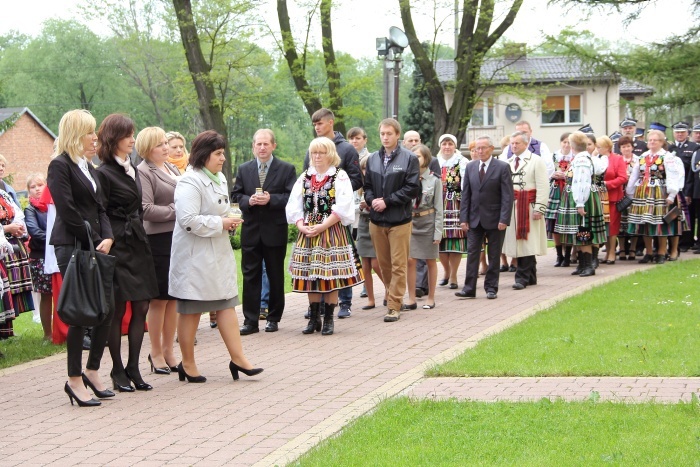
(422, 275)
(252, 257)
(526, 272)
(688, 237)
(475, 238)
(74, 339)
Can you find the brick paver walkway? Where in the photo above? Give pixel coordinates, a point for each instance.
(311, 387)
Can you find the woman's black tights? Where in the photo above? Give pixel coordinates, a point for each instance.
(137, 327)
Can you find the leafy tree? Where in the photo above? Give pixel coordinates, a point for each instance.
(477, 34)
(671, 67)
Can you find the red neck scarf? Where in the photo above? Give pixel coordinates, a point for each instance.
(39, 204)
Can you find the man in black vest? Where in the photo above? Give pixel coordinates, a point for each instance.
(684, 149)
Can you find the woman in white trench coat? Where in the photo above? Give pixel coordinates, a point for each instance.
(202, 265)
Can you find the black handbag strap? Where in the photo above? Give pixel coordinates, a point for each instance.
(78, 243)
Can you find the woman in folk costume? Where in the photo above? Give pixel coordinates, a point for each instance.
(628, 243)
(654, 185)
(562, 160)
(580, 206)
(526, 236)
(15, 264)
(324, 259)
(454, 241)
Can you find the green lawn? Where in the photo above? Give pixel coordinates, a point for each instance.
(28, 343)
(645, 324)
(405, 432)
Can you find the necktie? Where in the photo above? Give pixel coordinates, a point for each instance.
(262, 173)
(482, 172)
(517, 162)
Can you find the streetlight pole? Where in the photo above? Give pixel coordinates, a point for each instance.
(389, 49)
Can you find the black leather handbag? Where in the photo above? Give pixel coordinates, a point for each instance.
(86, 296)
(584, 233)
(623, 204)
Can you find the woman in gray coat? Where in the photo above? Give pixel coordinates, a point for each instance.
(427, 229)
(158, 179)
(202, 266)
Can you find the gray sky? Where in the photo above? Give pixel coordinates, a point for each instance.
(362, 23)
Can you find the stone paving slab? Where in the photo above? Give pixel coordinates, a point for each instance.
(312, 385)
(622, 389)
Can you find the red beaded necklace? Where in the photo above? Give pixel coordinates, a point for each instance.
(316, 185)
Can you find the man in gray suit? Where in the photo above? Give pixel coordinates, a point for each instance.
(487, 204)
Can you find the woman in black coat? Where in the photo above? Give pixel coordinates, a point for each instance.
(76, 194)
(134, 275)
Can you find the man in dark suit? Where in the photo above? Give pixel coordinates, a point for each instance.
(684, 148)
(264, 231)
(487, 204)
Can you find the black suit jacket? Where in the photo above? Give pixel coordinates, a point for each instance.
(488, 202)
(76, 201)
(268, 223)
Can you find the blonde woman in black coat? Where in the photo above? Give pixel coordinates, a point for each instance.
(76, 191)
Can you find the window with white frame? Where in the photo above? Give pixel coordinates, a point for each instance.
(482, 115)
(562, 109)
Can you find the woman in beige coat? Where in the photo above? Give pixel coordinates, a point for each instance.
(158, 179)
(203, 268)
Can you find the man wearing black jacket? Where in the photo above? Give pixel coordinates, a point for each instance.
(392, 181)
(323, 120)
(684, 149)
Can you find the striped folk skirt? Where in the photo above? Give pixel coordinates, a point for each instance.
(454, 239)
(569, 220)
(604, 201)
(550, 214)
(646, 215)
(326, 262)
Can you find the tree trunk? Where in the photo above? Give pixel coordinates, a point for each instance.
(296, 65)
(332, 73)
(211, 112)
(474, 41)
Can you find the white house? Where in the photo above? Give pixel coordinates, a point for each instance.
(554, 94)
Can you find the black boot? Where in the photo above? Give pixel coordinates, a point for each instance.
(567, 257)
(579, 264)
(587, 260)
(328, 319)
(560, 257)
(594, 257)
(314, 319)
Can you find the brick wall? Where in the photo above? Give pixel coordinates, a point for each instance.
(27, 148)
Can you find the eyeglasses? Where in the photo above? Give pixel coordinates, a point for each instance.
(315, 153)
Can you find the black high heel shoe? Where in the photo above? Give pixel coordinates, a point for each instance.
(119, 387)
(71, 395)
(98, 393)
(190, 379)
(140, 385)
(235, 369)
(159, 371)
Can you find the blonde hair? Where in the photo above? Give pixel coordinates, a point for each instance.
(3, 159)
(34, 177)
(658, 133)
(604, 141)
(147, 139)
(74, 125)
(579, 141)
(175, 135)
(324, 144)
